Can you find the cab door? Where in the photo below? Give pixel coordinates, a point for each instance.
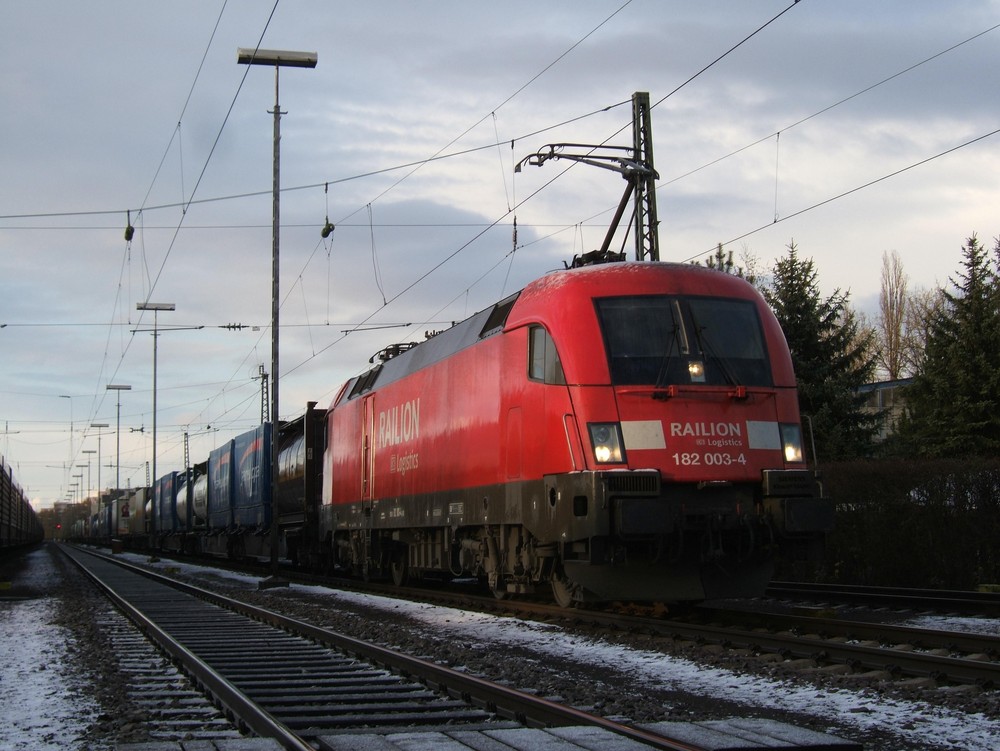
(368, 437)
(549, 403)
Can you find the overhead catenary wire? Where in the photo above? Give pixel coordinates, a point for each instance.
(100, 393)
(493, 224)
(464, 152)
(457, 251)
(832, 106)
(187, 203)
(855, 189)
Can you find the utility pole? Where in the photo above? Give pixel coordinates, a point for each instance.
(647, 242)
(264, 399)
(278, 59)
(635, 164)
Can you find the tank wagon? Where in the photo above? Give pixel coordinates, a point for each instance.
(616, 431)
(620, 431)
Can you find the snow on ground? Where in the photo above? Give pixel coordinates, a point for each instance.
(915, 723)
(967, 624)
(41, 708)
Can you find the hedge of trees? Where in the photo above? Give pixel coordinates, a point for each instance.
(912, 523)
(921, 508)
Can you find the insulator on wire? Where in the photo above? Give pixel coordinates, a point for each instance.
(327, 228)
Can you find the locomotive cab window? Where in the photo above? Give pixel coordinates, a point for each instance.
(543, 360)
(664, 340)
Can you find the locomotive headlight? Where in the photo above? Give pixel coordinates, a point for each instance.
(605, 437)
(791, 441)
(696, 370)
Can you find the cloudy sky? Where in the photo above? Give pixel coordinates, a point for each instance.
(853, 128)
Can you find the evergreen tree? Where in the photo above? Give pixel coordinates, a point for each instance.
(952, 405)
(832, 356)
(722, 260)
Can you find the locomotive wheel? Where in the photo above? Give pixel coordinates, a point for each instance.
(399, 568)
(368, 570)
(562, 590)
(497, 586)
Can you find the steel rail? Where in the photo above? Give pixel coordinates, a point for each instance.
(531, 711)
(246, 711)
(925, 638)
(949, 600)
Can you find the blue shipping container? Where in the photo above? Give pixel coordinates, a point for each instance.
(220, 487)
(166, 504)
(252, 499)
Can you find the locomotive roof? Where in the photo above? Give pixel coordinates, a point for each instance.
(612, 278)
(485, 323)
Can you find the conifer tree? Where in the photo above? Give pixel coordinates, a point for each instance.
(953, 404)
(722, 260)
(832, 357)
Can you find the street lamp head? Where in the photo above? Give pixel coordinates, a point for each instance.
(118, 387)
(285, 58)
(155, 306)
(99, 425)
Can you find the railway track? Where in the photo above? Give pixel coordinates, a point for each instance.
(833, 645)
(941, 601)
(310, 688)
(872, 650)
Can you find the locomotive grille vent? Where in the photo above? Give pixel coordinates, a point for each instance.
(622, 483)
(498, 316)
(365, 382)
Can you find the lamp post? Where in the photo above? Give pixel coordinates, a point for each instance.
(98, 425)
(88, 452)
(84, 493)
(71, 494)
(118, 388)
(279, 59)
(156, 307)
(70, 398)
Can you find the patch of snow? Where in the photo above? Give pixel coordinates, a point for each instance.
(965, 624)
(40, 706)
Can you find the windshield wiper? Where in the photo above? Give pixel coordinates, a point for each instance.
(705, 345)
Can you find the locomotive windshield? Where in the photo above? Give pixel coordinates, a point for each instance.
(665, 340)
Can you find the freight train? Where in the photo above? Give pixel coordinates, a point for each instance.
(617, 431)
(19, 524)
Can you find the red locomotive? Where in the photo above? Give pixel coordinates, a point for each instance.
(619, 431)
